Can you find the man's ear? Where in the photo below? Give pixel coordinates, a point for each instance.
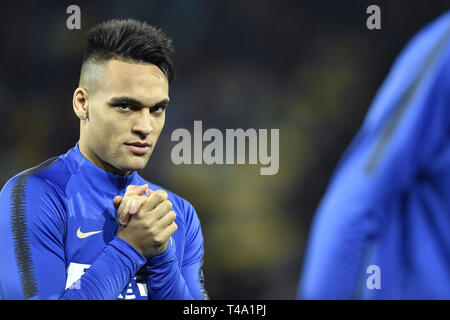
(81, 103)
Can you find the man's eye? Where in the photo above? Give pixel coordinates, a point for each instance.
(158, 109)
(123, 107)
(127, 107)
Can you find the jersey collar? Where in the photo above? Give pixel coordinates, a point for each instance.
(97, 176)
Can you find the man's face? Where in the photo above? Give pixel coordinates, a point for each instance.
(125, 115)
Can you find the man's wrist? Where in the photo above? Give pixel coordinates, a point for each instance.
(166, 256)
(127, 249)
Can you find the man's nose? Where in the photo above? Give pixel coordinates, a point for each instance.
(142, 123)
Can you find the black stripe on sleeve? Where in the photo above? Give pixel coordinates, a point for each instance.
(20, 237)
(22, 249)
(202, 282)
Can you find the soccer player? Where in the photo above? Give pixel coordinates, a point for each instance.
(60, 236)
(382, 230)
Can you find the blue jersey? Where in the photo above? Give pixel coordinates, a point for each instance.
(58, 238)
(386, 213)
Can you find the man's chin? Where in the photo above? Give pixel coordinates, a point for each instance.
(134, 165)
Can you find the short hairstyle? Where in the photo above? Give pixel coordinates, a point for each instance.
(130, 40)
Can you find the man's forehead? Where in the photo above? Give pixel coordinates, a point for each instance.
(132, 69)
(144, 81)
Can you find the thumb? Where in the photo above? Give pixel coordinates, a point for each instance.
(116, 201)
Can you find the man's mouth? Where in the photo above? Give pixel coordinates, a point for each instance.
(138, 147)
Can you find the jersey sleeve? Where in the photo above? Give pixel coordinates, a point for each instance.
(406, 123)
(192, 267)
(166, 279)
(33, 265)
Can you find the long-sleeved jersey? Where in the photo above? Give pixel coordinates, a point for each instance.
(382, 229)
(58, 238)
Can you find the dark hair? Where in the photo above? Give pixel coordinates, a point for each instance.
(130, 40)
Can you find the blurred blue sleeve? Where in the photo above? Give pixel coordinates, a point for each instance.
(405, 124)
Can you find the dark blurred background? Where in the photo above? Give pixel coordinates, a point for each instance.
(309, 68)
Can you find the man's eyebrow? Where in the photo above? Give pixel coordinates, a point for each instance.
(136, 102)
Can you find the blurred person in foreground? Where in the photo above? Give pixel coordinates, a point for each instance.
(382, 229)
(85, 225)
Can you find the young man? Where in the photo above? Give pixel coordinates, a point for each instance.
(382, 228)
(59, 221)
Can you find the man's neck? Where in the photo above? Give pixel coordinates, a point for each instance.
(92, 157)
